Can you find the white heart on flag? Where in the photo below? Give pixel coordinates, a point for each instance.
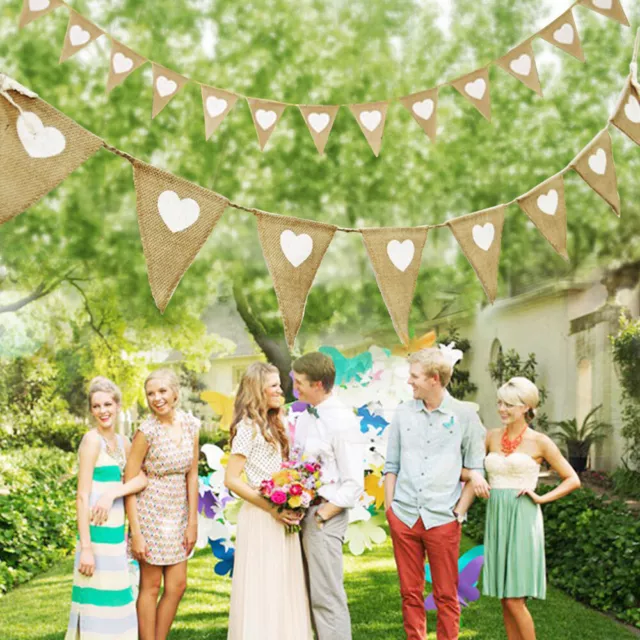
(165, 86)
(605, 5)
(39, 141)
(423, 109)
(216, 106)
(265, 118)
(483, 235)
(121, 63)
(319, 121)
(564, 35)
(521, 65)
(548, 203)
(401, 253)
(296, 248)
(78, 36)
(370, 119)
(39, 5)
(476, 88)
(598, 162)
(632, 110)
(177, 214)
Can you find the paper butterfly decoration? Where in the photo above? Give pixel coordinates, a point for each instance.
(226, 556)
(451, 353)
(364, 534)
(469, 567)
(222, 405)
(348, 369)
(373, 420)
(374, 487)
(298, 406)
(415, 344)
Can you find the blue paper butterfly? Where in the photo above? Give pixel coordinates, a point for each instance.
(348, 369)
(373, 420)
(226, 557)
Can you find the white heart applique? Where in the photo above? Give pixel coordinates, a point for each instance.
(548, 203)
(165, 86)
(370, 120)
(423, 109)
(476, 88)
(319, 121)
(216, 106)
(401, 253)
(483, 235)
(39, 141)
(521, 65)
(78, 36)
(605, 5)
(598, 162)
(177, 214)
(121, 63)
(296, 248)
(632, 110)
(39, 5)
(265, 118)
(564, 35)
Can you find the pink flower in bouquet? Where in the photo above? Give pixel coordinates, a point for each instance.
(306, 500)
(267, 487)
(278, 497)
(310, 467)
(295, 489)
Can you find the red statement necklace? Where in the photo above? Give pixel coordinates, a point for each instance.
(509, 446)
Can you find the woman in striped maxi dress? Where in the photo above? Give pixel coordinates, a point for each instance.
(103, 606)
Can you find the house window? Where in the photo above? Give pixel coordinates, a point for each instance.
(496, 351)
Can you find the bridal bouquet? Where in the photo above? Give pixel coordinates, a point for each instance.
(294, 487)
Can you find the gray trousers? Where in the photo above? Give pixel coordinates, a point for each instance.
(323, 559)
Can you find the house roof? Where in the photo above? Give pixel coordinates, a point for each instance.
(223, 319)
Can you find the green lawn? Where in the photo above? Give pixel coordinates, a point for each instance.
(39, 609)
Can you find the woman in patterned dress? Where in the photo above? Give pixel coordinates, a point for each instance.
(268, 591)
(163, 518)
(103, 606)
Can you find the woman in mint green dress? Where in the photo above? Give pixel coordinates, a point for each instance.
(514, 559)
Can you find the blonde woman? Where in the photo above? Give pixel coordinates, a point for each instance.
(163, 517)
(514, 565)
(102, 600)
(268, 592)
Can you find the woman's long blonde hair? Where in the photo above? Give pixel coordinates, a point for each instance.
(251, 405)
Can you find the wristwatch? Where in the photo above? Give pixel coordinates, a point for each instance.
(319, 519)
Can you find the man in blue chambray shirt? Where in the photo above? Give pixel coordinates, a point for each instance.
(431, 439)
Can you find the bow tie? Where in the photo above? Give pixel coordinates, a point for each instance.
(313, 411)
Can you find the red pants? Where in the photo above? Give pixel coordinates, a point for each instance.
(410, 547)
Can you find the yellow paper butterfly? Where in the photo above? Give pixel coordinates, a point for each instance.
(415, 344)
(222, 405)
(374, 487)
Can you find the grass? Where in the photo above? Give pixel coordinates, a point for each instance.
(39, 609)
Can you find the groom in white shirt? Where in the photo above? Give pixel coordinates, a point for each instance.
(330, 431)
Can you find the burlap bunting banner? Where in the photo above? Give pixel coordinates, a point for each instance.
(627, 116)
(33, 9)
(39, 148)
(521, 64)
(166, 84)
(596, 167)
(371, 118)
(609, 8)
(563, 33)
(80, 32)
(423, 107)
(319, 121)
(479, 236)
(293, 249)
(475, 88)
(175, 218)
(266, 115)
(546, 208)
(216, 105)
(395, 255)
(122, 63)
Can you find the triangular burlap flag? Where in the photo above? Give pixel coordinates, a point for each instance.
(521, 64)
(596, 167)
(611, 8)
(395, 255)
(123, 61)
(266, 115)
(293, 249)
(371, 118)
(166, 84)
(627, 115)
(319, 121)
(80, 32)
(33, 9)
(479, 235)
(475, 88)
(38, 150)
(216, 104)
(423, 107)
(545, 206)
(175, 217)
(563, 33)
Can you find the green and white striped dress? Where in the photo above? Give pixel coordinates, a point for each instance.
(103, 606)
